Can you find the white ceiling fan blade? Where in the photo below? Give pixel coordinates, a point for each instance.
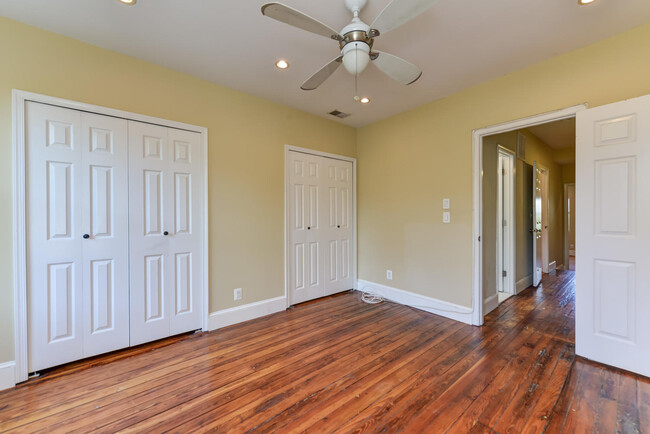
(295, 18)
(396, 68)
(399, 12)
(317, 79)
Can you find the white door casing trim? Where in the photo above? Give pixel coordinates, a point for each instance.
(565, 207)
(19, 99)
(509, 232)
(477, 199)
(287, 185)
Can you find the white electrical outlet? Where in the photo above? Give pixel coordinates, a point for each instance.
(446, 217)
(445, 204)
(389, 275)
(238, 294)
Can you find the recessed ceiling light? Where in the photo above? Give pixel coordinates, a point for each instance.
(585, 2)
(128, 2)
(364, 100)
(282, 64)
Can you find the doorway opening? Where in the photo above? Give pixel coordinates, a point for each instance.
(520, 221)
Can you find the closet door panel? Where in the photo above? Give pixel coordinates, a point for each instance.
(105, 221)
(339, 231)
(185, 231)
(150, 196)
(306, 206)
(54, 254)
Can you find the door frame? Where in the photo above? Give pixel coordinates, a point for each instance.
(477, 198)
(287, 194)
(546, 206)
(566, 222)
(509, 205)
(19, 100)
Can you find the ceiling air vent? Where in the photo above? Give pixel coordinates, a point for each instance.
(339, 114)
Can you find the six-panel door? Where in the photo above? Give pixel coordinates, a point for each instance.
(114, 256)
(78, 234)
(321, 226)
(612, 234)
(165, 242)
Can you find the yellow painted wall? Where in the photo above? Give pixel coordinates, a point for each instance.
(246, 152)
(410, 162)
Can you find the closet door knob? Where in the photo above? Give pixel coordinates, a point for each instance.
(165, 233)
(338, 226)
(308, 227)
(86, 236)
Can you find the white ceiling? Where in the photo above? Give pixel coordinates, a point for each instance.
(457, 43)
(558, 135)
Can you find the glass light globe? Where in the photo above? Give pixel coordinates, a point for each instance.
(356, 56)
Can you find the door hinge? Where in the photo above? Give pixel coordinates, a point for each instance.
(504, 273)
(503, 171)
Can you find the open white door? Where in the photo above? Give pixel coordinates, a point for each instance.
(537, 226)
(612, 231)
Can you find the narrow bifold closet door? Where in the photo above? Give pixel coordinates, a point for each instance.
(320, 226)
(165, 243)
(77, 208)
(613, 234)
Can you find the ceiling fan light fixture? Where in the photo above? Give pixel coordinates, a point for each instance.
(364, 100)
(128, 2)
(282, 64)
(356, 56)
(585, 2)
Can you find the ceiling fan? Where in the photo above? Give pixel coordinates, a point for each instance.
(357, 38)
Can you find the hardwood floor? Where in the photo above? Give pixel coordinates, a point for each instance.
(340, 365)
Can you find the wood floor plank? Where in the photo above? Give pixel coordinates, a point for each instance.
(340, 365)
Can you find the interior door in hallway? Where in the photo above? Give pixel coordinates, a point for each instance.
(537, 225)
(612, 234)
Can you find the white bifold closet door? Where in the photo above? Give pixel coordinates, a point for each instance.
(166, 278)
(321, 226)
(77, 216)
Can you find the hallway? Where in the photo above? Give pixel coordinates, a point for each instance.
(341, 365)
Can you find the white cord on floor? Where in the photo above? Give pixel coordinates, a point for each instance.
(371, 297)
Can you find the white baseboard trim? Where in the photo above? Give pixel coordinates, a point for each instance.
(428, 304)
(490, 303)
(7, 375)
(524, 283)
(234, 315)
(552, 266)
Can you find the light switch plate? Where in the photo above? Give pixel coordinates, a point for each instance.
(446, 217)
(445, 203)
(389, 275)
(237, 294)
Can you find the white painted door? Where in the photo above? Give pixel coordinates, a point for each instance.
(338, 231)
(537, 225)
(505, 223)
(185, 234)
(321, 222)
(571, 219)
(76, 214)
(104, 208)
(305, 205)
(612, 233)
(164, 216)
